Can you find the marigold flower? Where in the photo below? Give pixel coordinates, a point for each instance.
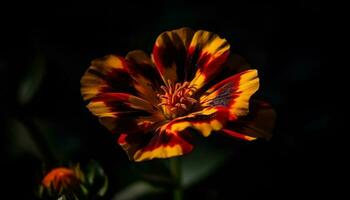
(191, 82)
(60, 179)
(74, 183)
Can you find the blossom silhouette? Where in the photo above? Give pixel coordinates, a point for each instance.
(74, 183)
(61, 178)
(191, 83)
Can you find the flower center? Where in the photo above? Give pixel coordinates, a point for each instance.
(176, 99)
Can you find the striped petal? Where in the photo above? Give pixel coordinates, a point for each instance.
(257, 124)
(204, 121)
(147, 80)
(148, 146)
(170, 54)
(233, 93)
(134, 75)
(184, 55)
(172, 138)
(121, 112)
(107, 74)
(208, 52)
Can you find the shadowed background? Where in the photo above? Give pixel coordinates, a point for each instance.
(45, 50)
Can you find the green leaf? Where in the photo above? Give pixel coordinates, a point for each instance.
(104, 187)
(40, 191)
(31, 82)
(202, 162)
(155, 172)
(63, 197)
(136, 191)
(21, 141)
(83, 189)
(96, 179)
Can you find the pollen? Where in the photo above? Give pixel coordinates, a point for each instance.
(176, 99)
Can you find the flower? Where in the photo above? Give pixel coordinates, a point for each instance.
(191, 83)
(74, 183)
(61, 178)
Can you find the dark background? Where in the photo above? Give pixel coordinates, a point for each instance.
(281, 39)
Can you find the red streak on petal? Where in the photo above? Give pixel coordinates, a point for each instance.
(157, 54)
(112, 96)
(122, 138)
(169, 140)
(238, 135)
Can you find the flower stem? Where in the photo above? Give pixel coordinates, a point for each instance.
(175, 168)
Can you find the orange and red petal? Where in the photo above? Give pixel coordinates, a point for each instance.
(208, 52)
(107, 74)
(172, 138)
(184, 55)
(233, 93)
(235, 134)
(204, 121)
(170, 54)
(147, 80)
(258, 123)
(61, 178)
(158, 144)
(121, 112)
(134, 75)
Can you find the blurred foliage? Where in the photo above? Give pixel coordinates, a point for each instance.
(137, 190)
(31, 82)
(157, 178)
(21, 140)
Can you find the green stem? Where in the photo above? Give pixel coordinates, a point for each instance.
(175, 168)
